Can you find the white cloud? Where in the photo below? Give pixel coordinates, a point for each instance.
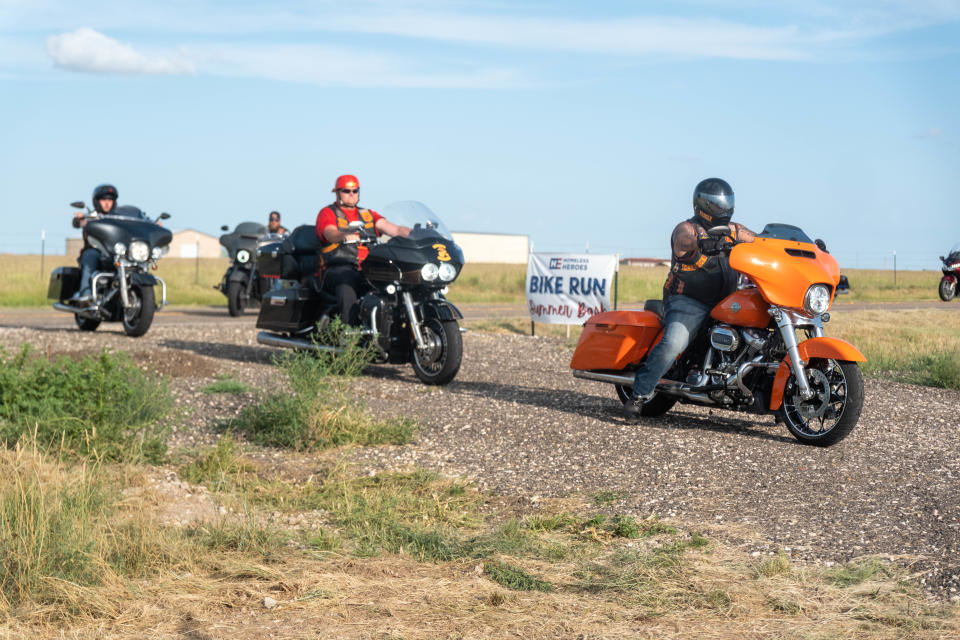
(340, 66)
(91, 51)
(929, 133)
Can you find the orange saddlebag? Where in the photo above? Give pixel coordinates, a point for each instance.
(615, 339)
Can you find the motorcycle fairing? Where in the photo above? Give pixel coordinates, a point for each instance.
(784, 269)
(111, 230)
(825, 347)
(616, 339)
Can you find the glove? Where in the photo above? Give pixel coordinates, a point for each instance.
(711, 246)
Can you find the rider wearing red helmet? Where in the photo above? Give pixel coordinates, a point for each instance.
(340, 256)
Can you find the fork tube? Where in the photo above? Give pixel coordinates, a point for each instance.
(789, 335)
(122, 275)
(412, 317)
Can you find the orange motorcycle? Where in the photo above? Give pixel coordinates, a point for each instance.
(762, 350)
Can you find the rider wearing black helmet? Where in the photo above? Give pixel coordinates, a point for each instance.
(699, 278)
(91, 259)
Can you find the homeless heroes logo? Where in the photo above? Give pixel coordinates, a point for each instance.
(569, 288)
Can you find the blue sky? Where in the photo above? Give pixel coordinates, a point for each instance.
(572, 122)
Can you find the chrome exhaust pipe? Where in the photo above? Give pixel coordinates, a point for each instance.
(668, 387)
(274, 340)
(84, 312)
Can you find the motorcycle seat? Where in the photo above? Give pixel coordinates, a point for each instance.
(655, 306)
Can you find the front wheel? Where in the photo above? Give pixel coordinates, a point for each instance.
(86, 324)
(236, 300)
(139, 315)
(655, 406)
(439, 360)
(948, 288)
(834, 409)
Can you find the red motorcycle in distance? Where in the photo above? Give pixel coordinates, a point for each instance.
(951, 274)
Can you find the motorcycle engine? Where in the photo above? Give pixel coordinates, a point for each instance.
(724, 338)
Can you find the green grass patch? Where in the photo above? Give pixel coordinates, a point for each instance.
(513, 577)
(226, 384)
(322, 411)
(101, 407)
(854, 573)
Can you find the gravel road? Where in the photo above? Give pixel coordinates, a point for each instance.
(517, 422)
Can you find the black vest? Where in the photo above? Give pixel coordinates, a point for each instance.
(708, 280)
(336, 253)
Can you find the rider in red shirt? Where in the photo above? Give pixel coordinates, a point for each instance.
(340, 256)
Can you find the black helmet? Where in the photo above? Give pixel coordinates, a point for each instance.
(713, 202)
(104, 191)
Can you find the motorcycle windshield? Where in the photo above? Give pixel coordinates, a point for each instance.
(127, 211)
(780, 231)
(417, 216)
(954, 255)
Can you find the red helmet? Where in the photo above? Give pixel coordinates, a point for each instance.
(345, 182)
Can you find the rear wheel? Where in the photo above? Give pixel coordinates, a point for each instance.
(439, 360)
(86, 324)
(656, 406)
(948, 289)
(835, 407)
(139, 315)
(236, 300)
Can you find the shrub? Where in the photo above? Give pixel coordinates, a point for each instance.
(101, 407)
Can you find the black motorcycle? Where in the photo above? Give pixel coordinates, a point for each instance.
(404, 315)
(124, 289)
(241, 283)
(951, 274)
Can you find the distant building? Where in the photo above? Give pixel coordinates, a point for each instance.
(186, 243)
(503, 248)
(190, 243)
(645, 262)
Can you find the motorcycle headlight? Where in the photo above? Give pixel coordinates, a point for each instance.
(447, 272)
(156, 253)
(817, 300)
(243, 256)
(429, 272)
(120, 250)
(139, 251)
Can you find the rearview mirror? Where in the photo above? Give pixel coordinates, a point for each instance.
(78, 205)
(164, 215)
(821, 245)
(224, 227)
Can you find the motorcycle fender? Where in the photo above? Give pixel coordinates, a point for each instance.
(143, 279)
(441, 310)
(949, 277)
(238, 275)
(833, 348)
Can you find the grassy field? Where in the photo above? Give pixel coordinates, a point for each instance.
(190, 282)
(304, 545)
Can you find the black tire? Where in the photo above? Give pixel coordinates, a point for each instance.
(440, 362)
(86, 324)
(656, 406)
(948, 289)
(236, 300)
(835, 409)
(138, 318)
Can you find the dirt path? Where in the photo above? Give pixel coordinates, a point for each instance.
(517, 422)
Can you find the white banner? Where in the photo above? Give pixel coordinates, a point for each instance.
(568, 288)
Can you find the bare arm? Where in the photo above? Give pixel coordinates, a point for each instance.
(332, 234)
(385, 226)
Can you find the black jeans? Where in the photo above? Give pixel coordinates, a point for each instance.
(346, 283)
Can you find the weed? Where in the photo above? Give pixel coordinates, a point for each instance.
(854, 573)
(514, 577)
(322, 412)
(606, 498)
(773, 566)
(226, 384)
(219, 468)
(101, 407)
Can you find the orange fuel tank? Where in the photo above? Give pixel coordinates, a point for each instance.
(615, 339)
(744, 308)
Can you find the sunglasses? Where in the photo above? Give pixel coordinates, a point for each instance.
(349, 190)
(274, 219)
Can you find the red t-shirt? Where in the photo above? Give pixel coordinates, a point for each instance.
(327, 218)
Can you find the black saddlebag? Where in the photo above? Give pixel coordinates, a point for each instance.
(291, 309)
(64, 282)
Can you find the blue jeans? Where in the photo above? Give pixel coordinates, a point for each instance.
(682, 318)
(89, 260)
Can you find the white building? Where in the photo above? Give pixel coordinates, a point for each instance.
(502, 248)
